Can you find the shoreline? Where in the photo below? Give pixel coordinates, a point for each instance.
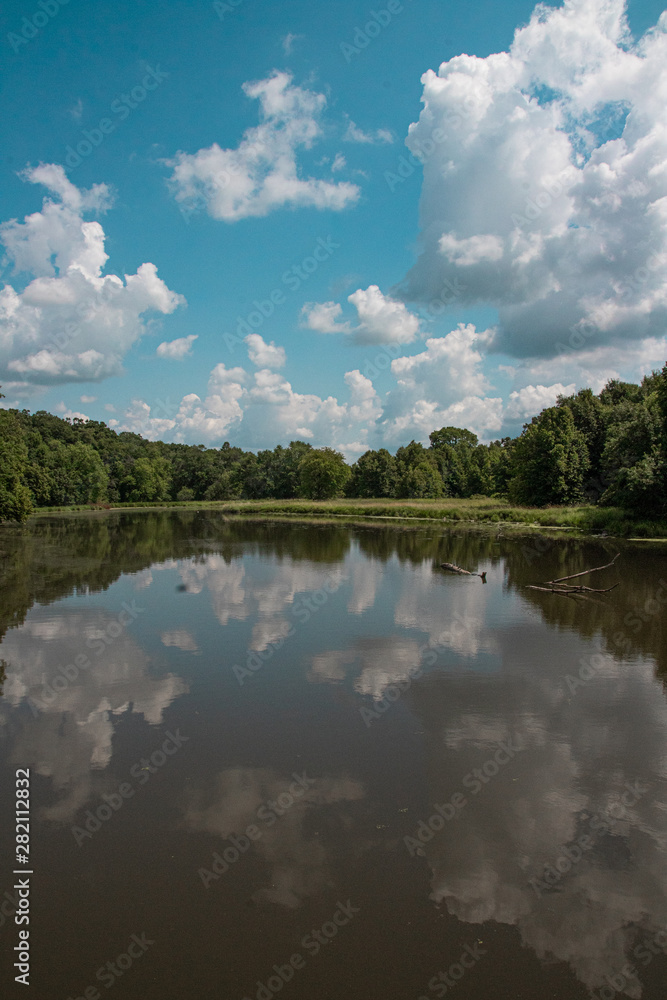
(482, 511)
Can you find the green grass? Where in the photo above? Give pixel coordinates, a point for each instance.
(587, 519)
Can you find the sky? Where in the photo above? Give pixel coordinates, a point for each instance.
(256, 221)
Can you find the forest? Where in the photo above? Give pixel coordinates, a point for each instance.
(608, 449)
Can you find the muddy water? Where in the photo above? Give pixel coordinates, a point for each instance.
(301, 759)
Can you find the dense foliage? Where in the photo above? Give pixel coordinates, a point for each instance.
(609, 449)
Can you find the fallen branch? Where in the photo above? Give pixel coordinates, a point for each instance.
(462, 572)
(596, 569)
(572, 590)
(559, 586)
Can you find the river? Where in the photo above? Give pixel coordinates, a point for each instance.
(300, 758)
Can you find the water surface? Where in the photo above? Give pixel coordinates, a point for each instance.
(300, 758)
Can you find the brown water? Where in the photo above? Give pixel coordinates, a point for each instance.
(239, 734)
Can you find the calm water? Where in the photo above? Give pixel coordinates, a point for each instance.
(301, 759)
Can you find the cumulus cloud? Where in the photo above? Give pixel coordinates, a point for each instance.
(443, 385)
(382, 319)
(264, 355)
(355, 134)
(545, 188)
(261, 410)
(178, 349)
(70, 322)
(261, 174)
(67, 414)
(537, 382)
(533, 398)
(323, 317)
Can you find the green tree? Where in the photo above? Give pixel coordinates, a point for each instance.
(148, 480)
(633, 459)
(461, 467)
(373, 475)
(225, 487)
(452, 437)
(323, 474)
(418, 475)
(15, 499)
(287, 469)
(589, 413)
(550, 460)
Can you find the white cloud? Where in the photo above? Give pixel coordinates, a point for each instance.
(265, 355)
(528, 401)
(443, 385)
(70, 323)
(178, 349)
(261, 411)
(339, 163)
(355, 134)
(323, 317)
(545, 188)
(288, 42)
(382, 320)
(181, 638)
(88, 399)
(262, 174)
(67, 414)
(538, 381)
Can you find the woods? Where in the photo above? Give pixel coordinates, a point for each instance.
(609, 449)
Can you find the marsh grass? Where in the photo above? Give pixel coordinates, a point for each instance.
(585, 518)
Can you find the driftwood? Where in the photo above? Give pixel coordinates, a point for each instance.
(462, 572)
(560, 586)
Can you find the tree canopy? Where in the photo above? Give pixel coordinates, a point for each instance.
(609, 448)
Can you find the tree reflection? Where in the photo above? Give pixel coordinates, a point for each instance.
(54, 556)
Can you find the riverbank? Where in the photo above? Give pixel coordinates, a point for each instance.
(586, 519)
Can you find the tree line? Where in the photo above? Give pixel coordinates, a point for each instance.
(609, 448)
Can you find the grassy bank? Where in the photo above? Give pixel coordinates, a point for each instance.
(587, 519)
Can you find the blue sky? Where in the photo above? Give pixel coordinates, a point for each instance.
(221, 153)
